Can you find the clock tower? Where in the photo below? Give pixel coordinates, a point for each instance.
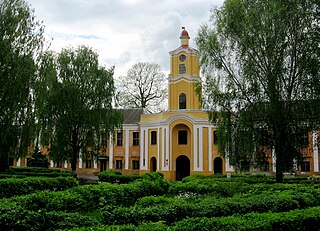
(184, 74)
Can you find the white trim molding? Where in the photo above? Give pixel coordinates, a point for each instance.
(315, 151)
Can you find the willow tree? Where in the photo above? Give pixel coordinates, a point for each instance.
(21, 42)
(74, 97)
(261, 62)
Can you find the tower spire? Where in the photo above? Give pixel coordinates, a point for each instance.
(184, 37)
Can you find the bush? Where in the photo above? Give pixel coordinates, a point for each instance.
(112, 176)
(19, 218)
(174, 209)
(306, 219)
(15, 186)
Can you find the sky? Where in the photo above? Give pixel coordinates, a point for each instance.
(123, 32)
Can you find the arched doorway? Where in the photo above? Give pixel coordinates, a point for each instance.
(182, 167)
(153, 164)
(217, 165)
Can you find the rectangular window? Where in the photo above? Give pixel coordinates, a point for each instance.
(305, 166)
(153, 137)
(135, 141)
(119, 138)
(135, 164)
(118, 164)
(88, 163)
(182, 137)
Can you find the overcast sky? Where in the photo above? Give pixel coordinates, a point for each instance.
(123, 32)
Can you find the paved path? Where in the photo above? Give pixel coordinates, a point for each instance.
(88, 178)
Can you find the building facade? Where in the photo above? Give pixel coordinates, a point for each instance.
(178, 142)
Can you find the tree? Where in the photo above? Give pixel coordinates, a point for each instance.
(76, 95)
(261, 61)
(21, 42)
(143, 87)
(38, 159)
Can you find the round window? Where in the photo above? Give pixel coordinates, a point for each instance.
(182, 58)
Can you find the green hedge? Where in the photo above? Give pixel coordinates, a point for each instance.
(112, 176)
(171, 210)
(18, 218)
(84, 198)
(14, 186)
(306, 219)
(295, 220)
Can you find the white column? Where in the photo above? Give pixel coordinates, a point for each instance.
(141, 149)
(80, 160)
(315, 151)
(163, 161)
(200, 148)
(51, 164)
(127, 143)
(95, 162)
(158, 158)
(18, 162)
(168, 161)
(210, 147)
(274, 160)
(110, 153)
(146, 145)
(65, 164)
(195, 148)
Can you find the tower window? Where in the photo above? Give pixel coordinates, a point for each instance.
(182, 101)
(182, 58)
(183, 137)
(182, 68)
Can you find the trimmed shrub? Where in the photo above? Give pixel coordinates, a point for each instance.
(112, 176)
(306, 219)
(171, 210)
(14, 186)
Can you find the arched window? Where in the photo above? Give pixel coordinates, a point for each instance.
(182, 68)
(182, 101)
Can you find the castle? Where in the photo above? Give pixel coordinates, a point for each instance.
(178, 142)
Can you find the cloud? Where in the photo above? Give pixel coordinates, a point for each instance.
(123, 32)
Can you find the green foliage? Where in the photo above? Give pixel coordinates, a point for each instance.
(171, 210)
(38, 159)
(74, 97)
(113, 176)
(21, 40)
(13, 186)
(305, 219)
(262, 86)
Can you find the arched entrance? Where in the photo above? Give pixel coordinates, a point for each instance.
(153, 164)
(182, 167)
(217, 165)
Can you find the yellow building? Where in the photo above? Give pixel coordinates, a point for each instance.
(178, 142)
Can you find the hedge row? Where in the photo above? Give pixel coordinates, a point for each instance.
(14, 186)
(113, 176)
(18, 218)
(78, 199)
(295, 220)
(33, 169)
(88, 197)
(172, 210)
(226, 189)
